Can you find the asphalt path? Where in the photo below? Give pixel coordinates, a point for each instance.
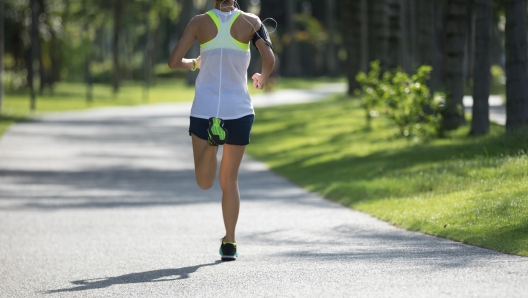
(497, 109)
(103, 203)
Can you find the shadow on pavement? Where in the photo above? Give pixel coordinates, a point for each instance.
(381, 246)
(133, 278)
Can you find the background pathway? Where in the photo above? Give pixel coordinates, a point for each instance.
(497, 108)
(103, 203)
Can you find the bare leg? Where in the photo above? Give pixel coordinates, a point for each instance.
(231, 160)
(205, 162)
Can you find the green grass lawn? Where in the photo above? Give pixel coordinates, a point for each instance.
(72, 96)
(470, 189)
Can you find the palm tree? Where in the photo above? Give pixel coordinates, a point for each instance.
(481, 72)
(516, 65)
(456, 30)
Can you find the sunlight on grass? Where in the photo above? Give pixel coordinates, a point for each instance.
(72, 96)
(469, 189)
(68, 96)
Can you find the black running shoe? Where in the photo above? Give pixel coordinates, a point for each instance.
(217, 134)
(228, 251)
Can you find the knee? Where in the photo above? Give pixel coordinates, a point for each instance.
(205, 185)
(228, 182)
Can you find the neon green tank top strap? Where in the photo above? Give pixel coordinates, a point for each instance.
(243, 46)
(215, 18)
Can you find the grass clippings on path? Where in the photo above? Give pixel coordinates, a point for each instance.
(470, 189)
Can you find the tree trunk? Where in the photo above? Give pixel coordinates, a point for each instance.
(331, 55)
(469, 64)
(413, 33)
(426, 19)
(1, 54)
(87, 66)
(118, 15)
(364, 35)
(456, 29)
(350, 12)
(379, 31)
(42, 70)
(292, 49)
(56, 49)
(147, 59)
(404, 37)
(516, 65)
(33, 54)
(395, 34)
(438, 74)
(482, 77)
(188, 11)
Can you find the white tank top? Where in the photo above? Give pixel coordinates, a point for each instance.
(221, 86)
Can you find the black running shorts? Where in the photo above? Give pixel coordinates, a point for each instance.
(239, 129)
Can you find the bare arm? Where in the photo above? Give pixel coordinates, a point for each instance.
(176, 60)
(268, 62)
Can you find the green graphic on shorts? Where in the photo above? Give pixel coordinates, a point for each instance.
(217, 130)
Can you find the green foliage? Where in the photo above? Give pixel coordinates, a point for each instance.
(498, 80)
(472, 190)
(373, 90)
(310, 29)
(76, 33)
(406, 100)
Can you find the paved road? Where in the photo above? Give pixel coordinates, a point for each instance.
(103, 203)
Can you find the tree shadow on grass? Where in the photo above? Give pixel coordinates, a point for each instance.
(12, 118)
(133, 278)
(305, 166)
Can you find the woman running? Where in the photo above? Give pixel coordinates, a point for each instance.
(222, 113)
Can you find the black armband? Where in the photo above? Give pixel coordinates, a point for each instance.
(261, 33)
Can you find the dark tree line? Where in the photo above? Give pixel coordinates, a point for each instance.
(2, 38)
(458, 38)
(516, 65)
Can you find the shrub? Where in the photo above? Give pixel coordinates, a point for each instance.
(373, 90)
(406, 100)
